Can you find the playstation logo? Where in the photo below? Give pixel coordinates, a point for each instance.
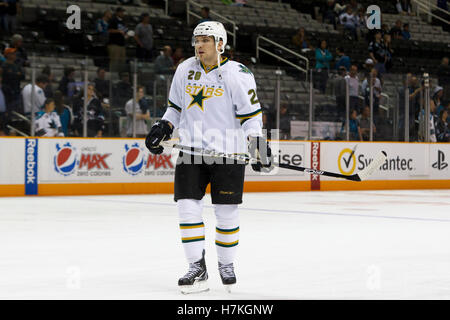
(440, 164)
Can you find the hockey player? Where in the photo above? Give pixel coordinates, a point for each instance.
(213, 103)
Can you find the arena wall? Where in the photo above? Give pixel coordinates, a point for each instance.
(82, 166)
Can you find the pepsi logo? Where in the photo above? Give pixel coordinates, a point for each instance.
(65, 159)
(133, 159)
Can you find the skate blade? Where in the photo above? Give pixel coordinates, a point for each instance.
(197, 287)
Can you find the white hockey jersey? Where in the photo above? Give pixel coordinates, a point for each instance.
(213, 113)
(48, 124)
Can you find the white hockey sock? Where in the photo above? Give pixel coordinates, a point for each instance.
(192, 228)
(227, 232)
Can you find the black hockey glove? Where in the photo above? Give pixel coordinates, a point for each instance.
(160, 131)
(259, 149)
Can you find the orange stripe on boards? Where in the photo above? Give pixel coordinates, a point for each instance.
(249, 186)
(104, 188)
(276, 186)
(12, 190)
(384, 185)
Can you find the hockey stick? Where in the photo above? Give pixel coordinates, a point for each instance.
(360, 176)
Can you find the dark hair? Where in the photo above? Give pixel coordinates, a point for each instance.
(120, 9)
(48, 101)
(100, 68)
(59, 101)
(68, 71)
(406, 25)
(206, 9)
(145, 14)
(47, 70)
(340, 49)
(42, 78)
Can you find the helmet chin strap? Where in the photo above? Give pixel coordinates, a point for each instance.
(218, 59)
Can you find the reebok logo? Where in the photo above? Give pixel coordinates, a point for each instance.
(440, 164)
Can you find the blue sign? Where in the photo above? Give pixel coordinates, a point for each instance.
(31, 166)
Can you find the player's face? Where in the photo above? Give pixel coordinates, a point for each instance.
(206, 49)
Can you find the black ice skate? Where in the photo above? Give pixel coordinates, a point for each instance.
(227, 275)
(195, 280)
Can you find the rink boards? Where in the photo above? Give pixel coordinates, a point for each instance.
(80, 166)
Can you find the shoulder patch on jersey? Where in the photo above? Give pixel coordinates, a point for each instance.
(244, 69)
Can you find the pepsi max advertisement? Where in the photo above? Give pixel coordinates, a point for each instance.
(84, 160)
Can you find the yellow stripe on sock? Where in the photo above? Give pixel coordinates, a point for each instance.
(227, 244)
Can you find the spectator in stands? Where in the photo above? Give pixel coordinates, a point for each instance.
(433, 120)
(361, 19)
(396, 30)
(142, 114)
(64, 112)
(47, 123)
(342, 59)
(329, 13)
(365, 87)
(350, 22)
(414, 90)
(368, 66)
(122, 91)
(101, 26)
(384, 30)
(12, 74)
(204, 12)
(68, 77)
(48, 91)
(323, 58)
(178, 56)
(164, 62)
(101, 85)
(95, 114)
(377, 51)
(354, 128)
(442, 129)
(285, 123)
(340, 92)
(299, 40)
(22, 57)
(143, 34)
(405, 33)
(354, 5)
(443, 75)
(436, 99)
(389, 51)
(3, 114)
(364, 123)
(10, 18)
(38, 97)
(117, 31)
(353, 87)
(404, 7)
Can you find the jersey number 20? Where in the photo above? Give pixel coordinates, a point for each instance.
(196, 77)
(253, 98)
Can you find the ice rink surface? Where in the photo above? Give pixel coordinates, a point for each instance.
(299, 245)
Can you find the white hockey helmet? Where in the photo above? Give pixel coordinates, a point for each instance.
(214, 29)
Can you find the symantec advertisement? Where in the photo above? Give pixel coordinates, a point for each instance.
(403, 160)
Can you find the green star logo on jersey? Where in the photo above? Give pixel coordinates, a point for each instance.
(245, 69)
(197, 99)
